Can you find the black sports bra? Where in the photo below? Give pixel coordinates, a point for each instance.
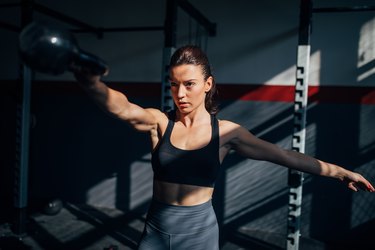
(199, 167)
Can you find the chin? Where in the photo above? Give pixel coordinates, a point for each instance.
(184, 110)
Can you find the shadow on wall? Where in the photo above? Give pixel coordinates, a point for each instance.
(80, 154)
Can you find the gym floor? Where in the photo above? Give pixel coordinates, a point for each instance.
(96, 228)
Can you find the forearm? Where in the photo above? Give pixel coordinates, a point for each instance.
(305, 163)
(311, 165)
(106, 98)
(116, 103)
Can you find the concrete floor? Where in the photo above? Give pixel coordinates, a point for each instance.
(85, 227)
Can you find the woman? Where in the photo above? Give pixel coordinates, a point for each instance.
(188, 146)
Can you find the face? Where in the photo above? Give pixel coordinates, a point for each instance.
(189, 87)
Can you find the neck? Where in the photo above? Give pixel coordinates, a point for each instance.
(195, 117)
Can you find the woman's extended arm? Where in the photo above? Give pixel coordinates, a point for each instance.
(116, 103)
(242, 141)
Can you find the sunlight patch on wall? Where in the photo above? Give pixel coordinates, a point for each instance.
(103, 194)
(366, 135)
(366, 51)
(141, 179)
(288, 76)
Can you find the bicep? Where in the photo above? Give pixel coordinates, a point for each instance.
(249, 146)
(140, 118)
(252, 147)
(117, 105)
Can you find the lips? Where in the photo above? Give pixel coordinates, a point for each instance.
(183, 104)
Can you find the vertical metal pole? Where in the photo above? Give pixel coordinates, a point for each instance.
(295, 178)
(166, 97)
(22, 138)
(169, 48)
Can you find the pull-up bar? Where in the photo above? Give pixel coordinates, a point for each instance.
(122, 29)
(343, 9)
(67, 19)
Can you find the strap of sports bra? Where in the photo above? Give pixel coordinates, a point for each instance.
(171, 119)
(215, 130)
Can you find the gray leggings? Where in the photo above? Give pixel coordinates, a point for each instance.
(170, 227)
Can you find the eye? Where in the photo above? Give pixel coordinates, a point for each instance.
(189, 84)
(173, 84)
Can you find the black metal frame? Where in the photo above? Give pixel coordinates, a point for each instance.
(343, 9)
(84, 27)
(170, 34)
(198, 16)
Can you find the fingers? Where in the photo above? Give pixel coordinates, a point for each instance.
(365, 184)
(352, 186)
(356, 181)
(369, 187)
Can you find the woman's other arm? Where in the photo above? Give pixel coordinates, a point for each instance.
(248, 145)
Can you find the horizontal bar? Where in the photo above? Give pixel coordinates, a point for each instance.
(65, 18)
(198, 16)
(10, 27)
(121, 29)
(344, 9)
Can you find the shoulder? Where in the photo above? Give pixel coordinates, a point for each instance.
(228, 126)
(229, 131)
(233, 133)
(160, 117)
(156, 112)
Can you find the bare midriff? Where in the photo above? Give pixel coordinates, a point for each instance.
(181, 194)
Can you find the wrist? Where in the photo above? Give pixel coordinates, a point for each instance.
(340, 173)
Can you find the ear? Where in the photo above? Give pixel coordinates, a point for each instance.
(208, 84)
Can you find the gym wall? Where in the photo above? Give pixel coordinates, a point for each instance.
(81, 155)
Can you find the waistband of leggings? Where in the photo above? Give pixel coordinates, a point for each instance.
(174, 219)
(177, 208)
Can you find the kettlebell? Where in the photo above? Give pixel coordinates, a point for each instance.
(52, 207)
(53, 50)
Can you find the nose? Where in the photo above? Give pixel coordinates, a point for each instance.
(181, 91)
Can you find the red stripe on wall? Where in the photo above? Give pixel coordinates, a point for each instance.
(277, 93)
(335, 94)
(256, 92)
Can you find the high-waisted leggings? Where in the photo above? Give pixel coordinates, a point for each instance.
(170, 227)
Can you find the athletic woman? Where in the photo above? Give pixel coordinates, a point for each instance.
(188, 147)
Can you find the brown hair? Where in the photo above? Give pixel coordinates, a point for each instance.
(191, 54)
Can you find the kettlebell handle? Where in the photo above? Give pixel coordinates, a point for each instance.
(94, 64)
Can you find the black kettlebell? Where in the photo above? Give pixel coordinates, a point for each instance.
(52, 207)
(53, 50)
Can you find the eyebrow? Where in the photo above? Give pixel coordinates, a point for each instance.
(171, 80)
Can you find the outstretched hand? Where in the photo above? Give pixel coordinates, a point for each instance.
(357, 182)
